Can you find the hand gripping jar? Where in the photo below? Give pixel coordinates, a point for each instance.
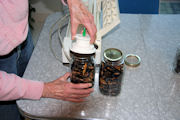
(82, 64)
(111, 72)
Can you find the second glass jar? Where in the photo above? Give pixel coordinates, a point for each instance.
(111, 72)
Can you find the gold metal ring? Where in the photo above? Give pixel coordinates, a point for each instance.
(132, 60)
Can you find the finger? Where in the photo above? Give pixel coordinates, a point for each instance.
(79, 96)
(91, 21)
(63, 78)
(93, 39)
(81, 85)
(91, 17)
(74, 27)
(66, 76)
(72, 95)
(82, 91)
(92, 31)
(89, 28)
(74, 100)
(94, 34)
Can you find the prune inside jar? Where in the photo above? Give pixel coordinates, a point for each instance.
(82, 68)
(111, 72)
(82, 64)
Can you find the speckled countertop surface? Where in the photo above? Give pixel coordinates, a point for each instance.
(149, 92)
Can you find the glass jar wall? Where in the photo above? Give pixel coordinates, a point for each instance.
(82, 68)
(111, 72)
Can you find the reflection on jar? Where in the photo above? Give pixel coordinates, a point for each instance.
(82, 68)
(111, 72)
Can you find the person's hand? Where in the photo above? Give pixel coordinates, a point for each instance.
(64, 90)
(80, 15)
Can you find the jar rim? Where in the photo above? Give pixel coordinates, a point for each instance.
(113, 54)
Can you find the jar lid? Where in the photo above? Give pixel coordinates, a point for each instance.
(113, 54)
(132, 60)
(82, 45)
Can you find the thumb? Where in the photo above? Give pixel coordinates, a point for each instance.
(63, 78)
(66, 76)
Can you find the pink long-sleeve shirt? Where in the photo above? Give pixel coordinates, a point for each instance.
(13, 31)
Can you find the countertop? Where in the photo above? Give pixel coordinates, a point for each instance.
(149, 92)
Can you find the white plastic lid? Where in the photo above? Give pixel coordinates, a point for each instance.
(82, 45)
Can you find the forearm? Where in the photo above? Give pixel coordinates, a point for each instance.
(13, 87)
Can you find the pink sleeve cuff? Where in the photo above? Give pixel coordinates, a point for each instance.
(34, 89)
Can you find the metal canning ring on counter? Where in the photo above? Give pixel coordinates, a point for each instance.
(132, 60)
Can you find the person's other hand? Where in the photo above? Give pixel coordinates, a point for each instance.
(80, 15)
(64, 90)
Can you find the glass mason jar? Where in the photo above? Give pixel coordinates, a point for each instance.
(82, 63)
(82, 68)
(111, 72)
